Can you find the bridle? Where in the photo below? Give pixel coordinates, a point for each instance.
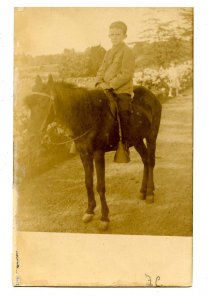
(51, 98)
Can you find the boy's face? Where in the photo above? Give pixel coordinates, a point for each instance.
(116, 36)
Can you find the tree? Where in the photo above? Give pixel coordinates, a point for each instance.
(187, 15)
(94, 56)
(165, 41)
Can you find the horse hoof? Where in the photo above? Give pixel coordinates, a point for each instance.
(103, 225)
(150, 199)
(142, 196)
(87, 218)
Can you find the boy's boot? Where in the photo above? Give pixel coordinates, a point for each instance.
(112, 101)
(125, 124)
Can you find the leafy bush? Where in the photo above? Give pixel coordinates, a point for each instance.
(158, 80)
(35, 152)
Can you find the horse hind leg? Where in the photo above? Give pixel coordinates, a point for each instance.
(142, 150)
(100, 170)
(151, 146)
(87, 161)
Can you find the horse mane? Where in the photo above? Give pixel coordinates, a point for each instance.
(64, 84)
(79, 107)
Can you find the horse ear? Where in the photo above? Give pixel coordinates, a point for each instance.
(38, 84)
(38, 80)
(50, 80)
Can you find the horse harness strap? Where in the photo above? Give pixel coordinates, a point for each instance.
(41, 94)
(51, 98)
(44, 123)
(72, 139)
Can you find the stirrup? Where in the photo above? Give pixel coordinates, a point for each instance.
(122, 154)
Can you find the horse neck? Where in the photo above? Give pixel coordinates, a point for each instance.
(78, 110)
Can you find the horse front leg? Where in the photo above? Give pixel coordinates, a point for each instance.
(100, 170)
(87, 161)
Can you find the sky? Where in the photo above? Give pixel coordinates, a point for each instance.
(41, 30)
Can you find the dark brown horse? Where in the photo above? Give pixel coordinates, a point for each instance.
(86, 112)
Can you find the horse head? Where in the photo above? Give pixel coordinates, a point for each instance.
(39, 102)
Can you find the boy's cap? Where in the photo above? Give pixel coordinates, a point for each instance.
(119, 25)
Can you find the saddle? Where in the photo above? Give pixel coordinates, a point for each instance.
(135, 108)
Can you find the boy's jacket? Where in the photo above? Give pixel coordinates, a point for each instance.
(117, 69)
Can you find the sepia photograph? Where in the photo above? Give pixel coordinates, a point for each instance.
(103, 131)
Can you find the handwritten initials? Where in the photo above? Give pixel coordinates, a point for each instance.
(149, 278)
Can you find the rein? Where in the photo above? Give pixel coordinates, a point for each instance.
(74, 139)
(43, 94)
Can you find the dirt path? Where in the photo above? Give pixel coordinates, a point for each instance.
(56, 200)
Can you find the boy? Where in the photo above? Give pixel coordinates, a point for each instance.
(115, 75)
(173, 76)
